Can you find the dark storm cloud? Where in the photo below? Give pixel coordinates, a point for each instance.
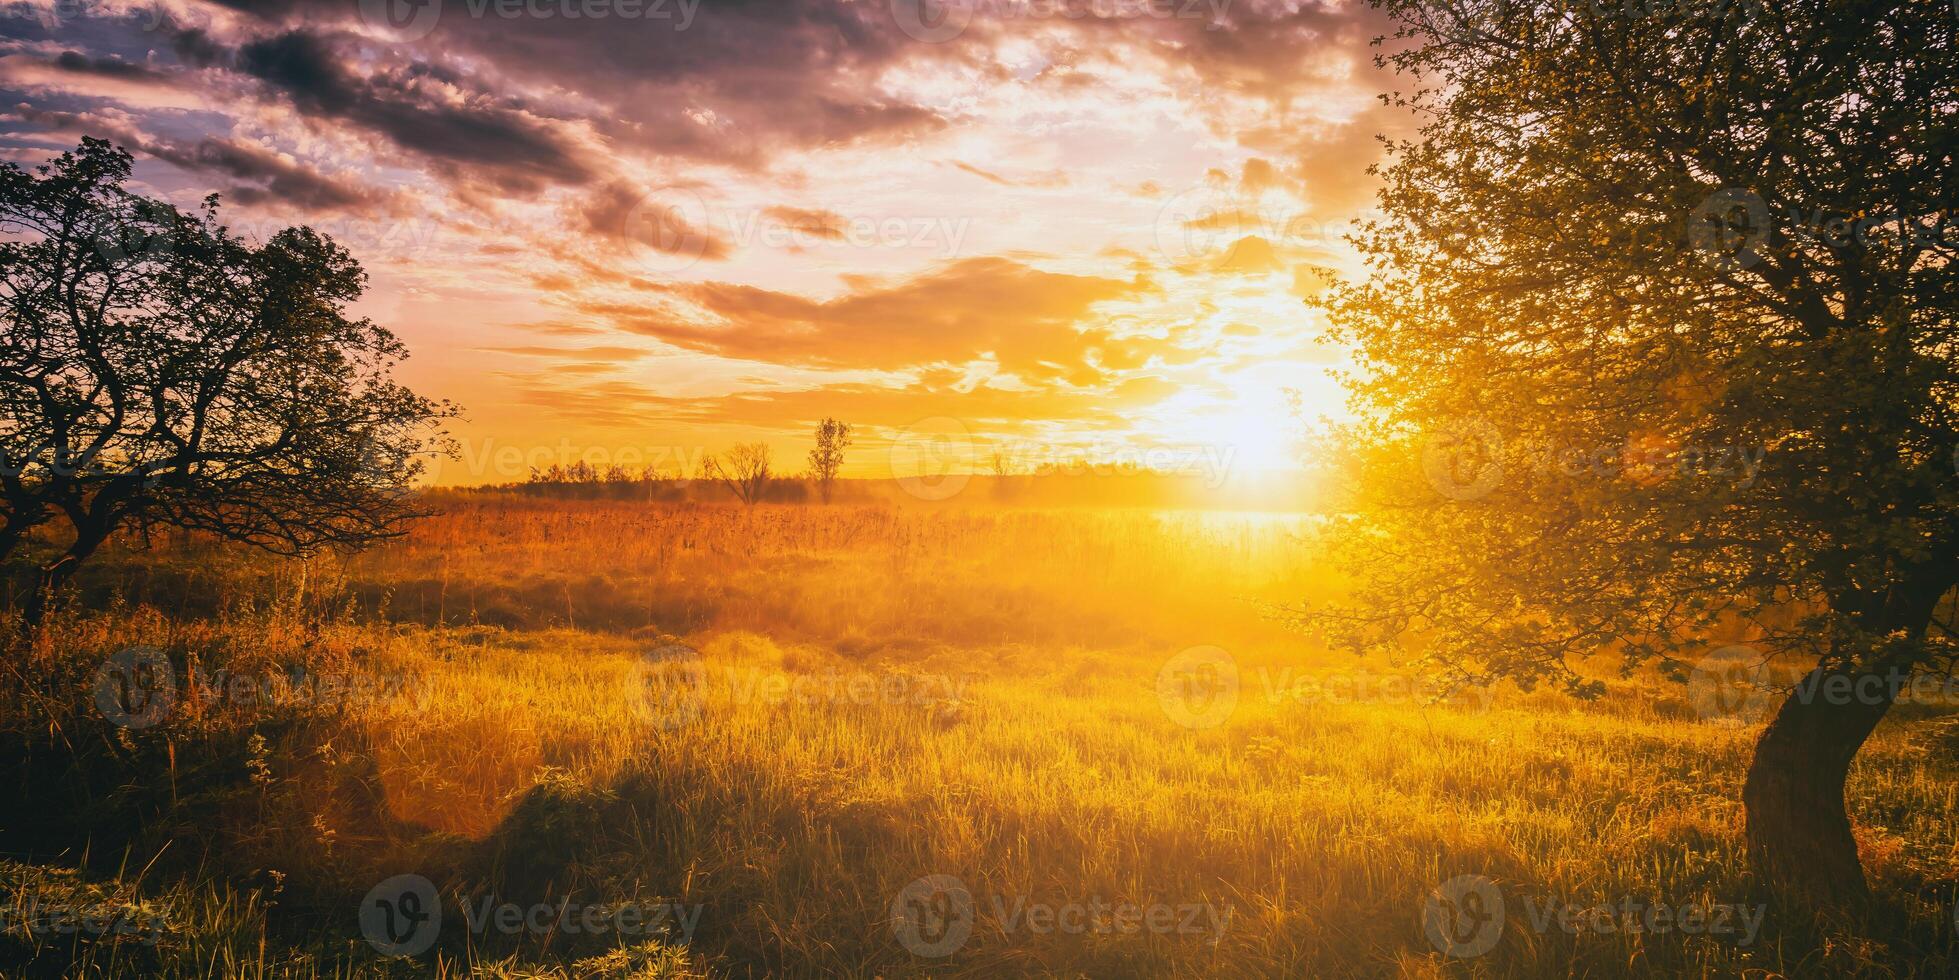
(107, 67)
(500, 98)
(273, 178)
(482, 134)
(268, 178)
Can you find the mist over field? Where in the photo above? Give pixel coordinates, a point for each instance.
(965, 488)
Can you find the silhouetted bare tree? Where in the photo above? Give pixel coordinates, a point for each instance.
(744, 470)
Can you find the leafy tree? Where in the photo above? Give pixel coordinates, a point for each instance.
(832, 438)
(157, 371)
(1634, 248)
(744, 470)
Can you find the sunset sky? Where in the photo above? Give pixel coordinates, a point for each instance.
(1053, 227)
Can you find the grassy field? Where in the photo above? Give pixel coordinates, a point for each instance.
(870, 741)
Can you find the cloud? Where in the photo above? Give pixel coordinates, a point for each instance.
(106, 67)
(273, 177)
(559, 155)
(572, 353)
(649, 218)
(1037, 324)
(420, 109)
(827, 225)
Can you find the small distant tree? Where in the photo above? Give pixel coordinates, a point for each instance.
(832, 438)
(156, 371)
(1006, 473)
(744, 470)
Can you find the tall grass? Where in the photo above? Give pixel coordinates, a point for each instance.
(880, 695)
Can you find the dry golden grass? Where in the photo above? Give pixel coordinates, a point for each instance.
(514, 739)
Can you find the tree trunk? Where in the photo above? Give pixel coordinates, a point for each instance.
(55, 575)
(1799, 838)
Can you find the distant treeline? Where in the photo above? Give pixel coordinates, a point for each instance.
(1046, 487)
(584, 481)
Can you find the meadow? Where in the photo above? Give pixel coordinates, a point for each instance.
(871, 740)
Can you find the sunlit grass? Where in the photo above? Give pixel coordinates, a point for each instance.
(543, 757)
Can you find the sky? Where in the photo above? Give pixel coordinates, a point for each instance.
(637, 231)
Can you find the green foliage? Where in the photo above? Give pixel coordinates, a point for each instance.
(1658, 341)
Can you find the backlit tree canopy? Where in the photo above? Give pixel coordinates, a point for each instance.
(1658, 353)
(156, 370)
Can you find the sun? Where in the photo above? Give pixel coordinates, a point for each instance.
(1261, 435)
